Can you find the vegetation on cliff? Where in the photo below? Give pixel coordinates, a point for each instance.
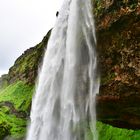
(27, 65)
(16, 90)
(15, 102)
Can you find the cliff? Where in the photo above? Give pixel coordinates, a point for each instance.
(118, 34)
(16, 91)
(118, 47)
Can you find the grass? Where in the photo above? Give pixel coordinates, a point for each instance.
(108, 132)
(19, 94)
(13, 125)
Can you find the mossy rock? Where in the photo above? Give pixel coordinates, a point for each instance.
(4, 130)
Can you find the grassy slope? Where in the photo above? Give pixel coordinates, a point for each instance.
(19, 96)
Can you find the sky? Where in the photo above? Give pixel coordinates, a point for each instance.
(23, 24)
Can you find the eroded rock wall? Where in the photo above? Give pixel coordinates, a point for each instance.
(118, 35)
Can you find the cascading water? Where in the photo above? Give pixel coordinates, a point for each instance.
(64, 104)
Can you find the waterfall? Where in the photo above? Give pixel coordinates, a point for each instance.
(63, 107)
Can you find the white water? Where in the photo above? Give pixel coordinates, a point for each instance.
(64, 104)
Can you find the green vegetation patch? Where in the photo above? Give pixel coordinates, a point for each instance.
(108, 132)
(19, 94)
(15, 101)
(11, 125)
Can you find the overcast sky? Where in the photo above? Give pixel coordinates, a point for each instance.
(23, 24)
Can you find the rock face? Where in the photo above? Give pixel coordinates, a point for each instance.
(118, 34)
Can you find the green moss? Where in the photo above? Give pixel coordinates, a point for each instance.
(98, 7)
(25, 63)
(19, 94)
(5, 109)
(16, 97)
(4, 130)
(107, 78)
(108, 132)
(12, 125)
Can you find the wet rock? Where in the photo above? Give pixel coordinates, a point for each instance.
(118, 45)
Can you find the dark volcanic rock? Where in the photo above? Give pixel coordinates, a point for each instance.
(120, 112)
(118, 35)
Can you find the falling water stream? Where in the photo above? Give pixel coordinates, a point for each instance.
(63, 107)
